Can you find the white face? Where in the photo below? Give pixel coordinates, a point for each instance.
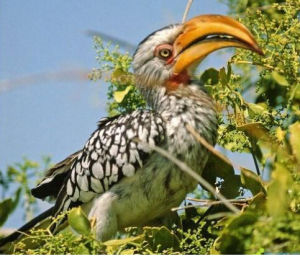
(152, 61)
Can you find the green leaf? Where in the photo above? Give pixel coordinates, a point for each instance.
(246, 218)
(259, 108)
(223, 76)
(252, 181)
(229, 70)
(216, 167)
(295, 140)
(210, 76)
(279, 79)
(119, 76)
(231, 186)
(120, 95)
(78, 221)
(297, 92)
(17, 199)
(5, 209)
(258, 201)
(113, 245)
(277, 200)
(231, 242)
(127, 252)
(255, 131)
(161, 238)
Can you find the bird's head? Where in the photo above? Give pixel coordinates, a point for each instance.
(168, 57)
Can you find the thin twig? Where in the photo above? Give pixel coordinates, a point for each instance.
(193, 174)
(210, 147)
(187, 8)
(206, 205)
(207, 201)
(252, 148)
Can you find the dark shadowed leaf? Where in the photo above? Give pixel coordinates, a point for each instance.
(5, 209)
(217, 168)
(161, 238)
(210, 76)
(229, 242)
(252, 181)
(16, 199)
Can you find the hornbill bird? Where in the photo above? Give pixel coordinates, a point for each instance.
(116, 177)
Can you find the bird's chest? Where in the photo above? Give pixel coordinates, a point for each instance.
(180, 142)
(151, 193)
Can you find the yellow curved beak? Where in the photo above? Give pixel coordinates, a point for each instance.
(207, 33)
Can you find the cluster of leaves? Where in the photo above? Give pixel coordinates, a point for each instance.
(17, 181)
(114, 69)
(148, 240)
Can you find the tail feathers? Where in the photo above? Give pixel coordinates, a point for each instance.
(54, 178)
(62, 204)
(29, 225)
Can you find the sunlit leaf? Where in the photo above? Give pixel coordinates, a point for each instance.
(255, 130)
(113, 245)
(120, 95)
(280, 134)
(279, 79)
(127, 252)
(258, 201)
(295, 140)
(259, 108)
(78, 221)
(120, 76)
(277, 200)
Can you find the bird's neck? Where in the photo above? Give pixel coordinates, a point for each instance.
(189, 104)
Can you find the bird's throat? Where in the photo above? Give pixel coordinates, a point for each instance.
(176, 80)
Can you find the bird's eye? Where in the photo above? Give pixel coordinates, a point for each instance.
(164, 51)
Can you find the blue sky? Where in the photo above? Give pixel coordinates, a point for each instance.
(56, 117)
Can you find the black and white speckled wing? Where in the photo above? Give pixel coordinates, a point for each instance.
(110, 154)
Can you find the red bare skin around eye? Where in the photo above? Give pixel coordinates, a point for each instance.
(176, 79)
(164, 46)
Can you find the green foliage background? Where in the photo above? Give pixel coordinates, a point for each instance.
(258, 99)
